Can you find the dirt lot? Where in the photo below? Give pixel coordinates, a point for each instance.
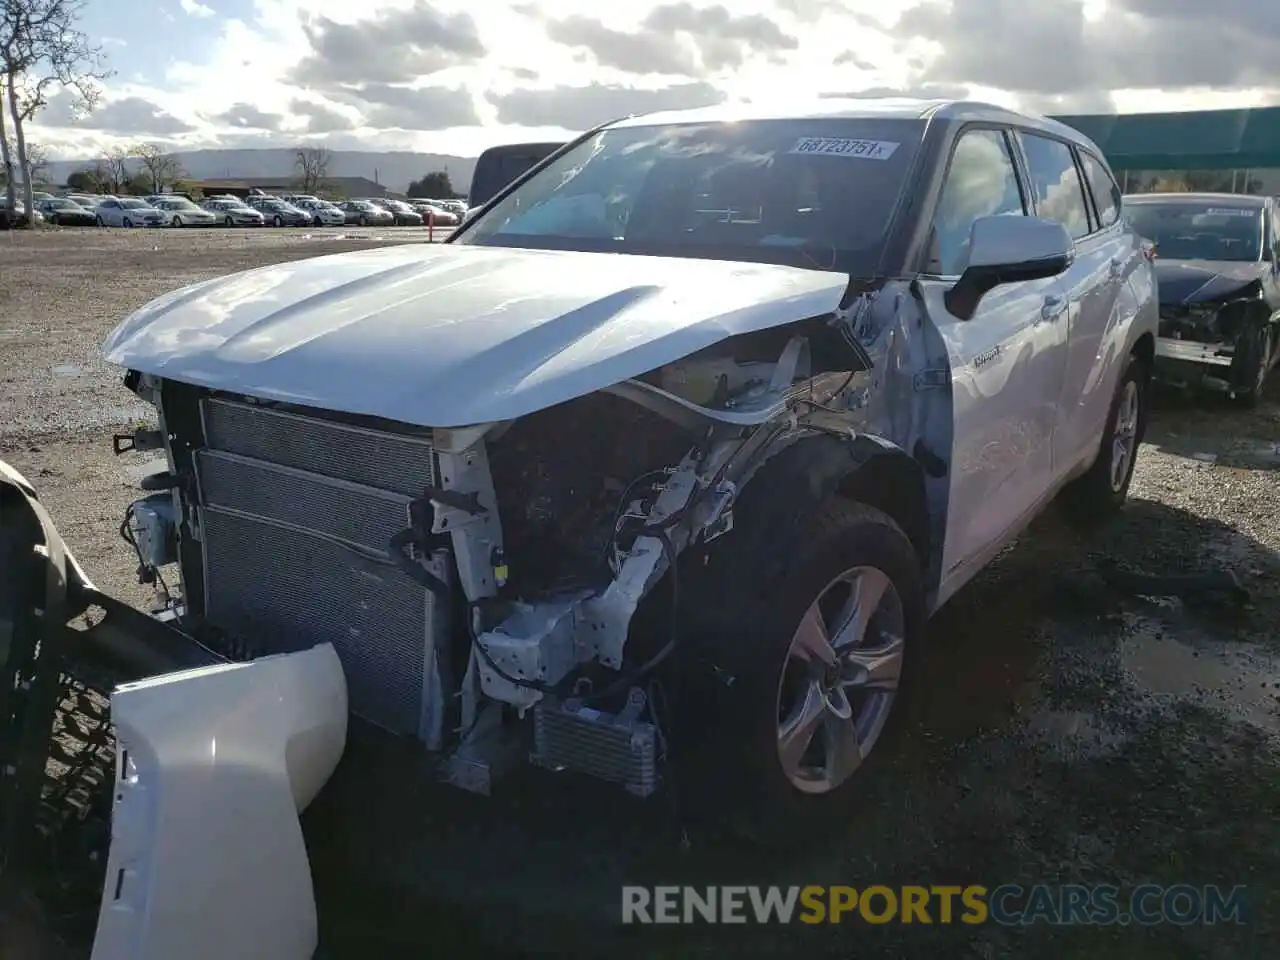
(1068, 731)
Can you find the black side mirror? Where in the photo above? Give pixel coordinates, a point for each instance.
(1008, 249)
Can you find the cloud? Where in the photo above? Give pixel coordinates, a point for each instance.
(394, 46)
(246, 115)
(386, 105)
(640, 52)
(681, 39)
(126, 117)
(580, 108)
(195, 8)
(320, 117)
(924, 91)
(1053, 49)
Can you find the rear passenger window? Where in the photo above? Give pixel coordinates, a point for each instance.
(1106, 193)
(1056, 183)
(981, 182)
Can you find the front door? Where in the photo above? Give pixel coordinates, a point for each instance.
(1007, 364)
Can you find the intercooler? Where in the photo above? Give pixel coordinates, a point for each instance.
(296, 515)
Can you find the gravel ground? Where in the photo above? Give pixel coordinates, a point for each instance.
(1071, 732)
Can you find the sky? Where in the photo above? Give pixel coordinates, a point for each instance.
(456, 76)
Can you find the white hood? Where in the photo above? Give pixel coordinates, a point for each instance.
(450, 335)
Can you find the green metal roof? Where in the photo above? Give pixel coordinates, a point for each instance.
(1200, 140)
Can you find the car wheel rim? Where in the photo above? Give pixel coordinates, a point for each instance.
(840, 679)
(1125, 436)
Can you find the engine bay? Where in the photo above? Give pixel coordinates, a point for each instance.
(479, 584)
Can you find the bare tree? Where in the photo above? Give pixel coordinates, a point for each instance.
(42, 53)
(113, 169)
(312, 164)
(161, 166)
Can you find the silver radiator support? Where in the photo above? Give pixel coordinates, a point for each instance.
(620, 748)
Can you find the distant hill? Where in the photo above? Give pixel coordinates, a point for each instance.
(394, 169)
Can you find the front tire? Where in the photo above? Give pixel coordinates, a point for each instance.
(1256, 367)
(816, 619)
(177, 221)
(1099, 494)
(126, 222)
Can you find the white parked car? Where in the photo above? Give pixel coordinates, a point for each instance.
(738, 400)
(129, 212)
(232, 212)
(183, 213)
(323, 213)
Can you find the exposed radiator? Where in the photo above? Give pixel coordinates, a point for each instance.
(296, 515)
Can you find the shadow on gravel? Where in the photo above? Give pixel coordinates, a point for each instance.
(1032, 755)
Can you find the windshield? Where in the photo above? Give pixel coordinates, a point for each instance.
(1199, 230)
(134, 205)
(814, 193)
(177, 205)
(63, 205)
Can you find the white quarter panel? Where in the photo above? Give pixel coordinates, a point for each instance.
(207, 859)
(1007, 364)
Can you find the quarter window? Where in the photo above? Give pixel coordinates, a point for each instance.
(1055, 182)
(981, 182)
(1106, 193)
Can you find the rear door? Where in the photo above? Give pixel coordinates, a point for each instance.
(1007, 362)
(1065, 183)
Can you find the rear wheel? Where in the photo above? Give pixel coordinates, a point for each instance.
(127, 222)
(1099, 494)
(230, 222)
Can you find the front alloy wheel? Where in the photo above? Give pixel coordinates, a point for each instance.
(840, 679)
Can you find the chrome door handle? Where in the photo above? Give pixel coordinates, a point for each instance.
(1053, 308)
(1117, 267)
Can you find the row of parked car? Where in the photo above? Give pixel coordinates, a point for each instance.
(295, 210)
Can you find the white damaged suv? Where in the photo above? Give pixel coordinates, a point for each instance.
(733, 399)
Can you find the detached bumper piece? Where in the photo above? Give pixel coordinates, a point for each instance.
(192, 847)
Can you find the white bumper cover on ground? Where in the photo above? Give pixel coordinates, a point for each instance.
(207, 856)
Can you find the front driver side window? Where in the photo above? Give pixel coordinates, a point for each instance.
(981, 182)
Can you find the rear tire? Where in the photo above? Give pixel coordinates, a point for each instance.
(784, 569)
(1099, 494)
(126, 222)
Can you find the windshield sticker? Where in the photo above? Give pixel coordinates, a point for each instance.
(842, 147)
(1225, 212)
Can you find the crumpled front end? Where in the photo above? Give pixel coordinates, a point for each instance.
(145, 783)
(1207, 335)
